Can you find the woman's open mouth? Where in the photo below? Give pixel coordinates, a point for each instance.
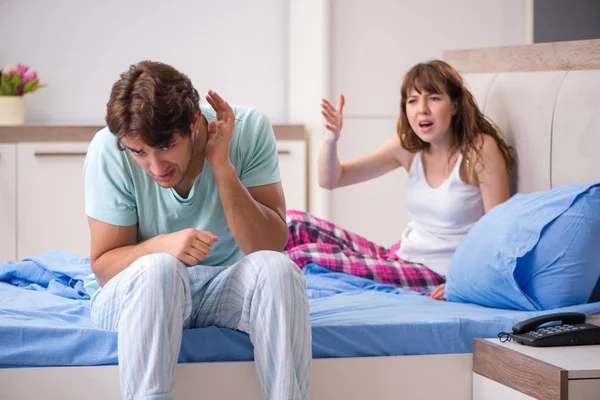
(425, 126)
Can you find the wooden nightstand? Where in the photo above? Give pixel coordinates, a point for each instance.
(511, 371)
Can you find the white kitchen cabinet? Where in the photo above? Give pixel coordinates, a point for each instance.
(50, 193)
(8, 184)
(50, 198)
(293, 171)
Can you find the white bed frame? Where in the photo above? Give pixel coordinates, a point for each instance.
(546, 100)
(377, 378)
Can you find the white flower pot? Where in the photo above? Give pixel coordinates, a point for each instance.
(12, 110)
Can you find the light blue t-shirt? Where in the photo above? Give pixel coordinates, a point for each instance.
(119, 192)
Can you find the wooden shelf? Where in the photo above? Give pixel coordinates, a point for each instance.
(51, 133)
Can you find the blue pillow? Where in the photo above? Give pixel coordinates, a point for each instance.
(536, 251)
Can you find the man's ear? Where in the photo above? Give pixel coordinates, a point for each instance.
(195, 126)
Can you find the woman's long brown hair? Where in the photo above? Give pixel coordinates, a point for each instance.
(469, 122)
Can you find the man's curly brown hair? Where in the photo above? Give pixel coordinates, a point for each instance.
(152, 101)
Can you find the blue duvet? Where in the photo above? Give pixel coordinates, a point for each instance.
(44, 319)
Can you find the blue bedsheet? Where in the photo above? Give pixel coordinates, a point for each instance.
(44, 319)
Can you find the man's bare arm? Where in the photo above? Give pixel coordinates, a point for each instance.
(115, 248)
(256, 215)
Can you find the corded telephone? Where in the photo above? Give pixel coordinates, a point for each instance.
(572, 330)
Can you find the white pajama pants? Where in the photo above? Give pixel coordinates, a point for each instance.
(153, 300)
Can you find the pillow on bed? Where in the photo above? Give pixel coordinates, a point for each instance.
(536, 251)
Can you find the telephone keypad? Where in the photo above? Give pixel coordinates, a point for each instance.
(554, 330)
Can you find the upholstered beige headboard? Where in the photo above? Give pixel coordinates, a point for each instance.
(546, 100)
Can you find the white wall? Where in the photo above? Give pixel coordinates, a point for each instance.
(374, 44)
(280, 56)
(309, 72)
(79, 47)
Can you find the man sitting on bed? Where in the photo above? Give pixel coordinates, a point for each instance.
(187, 219)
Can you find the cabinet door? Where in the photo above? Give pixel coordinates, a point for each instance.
(50, 195)
(293, 170)
(8, 195)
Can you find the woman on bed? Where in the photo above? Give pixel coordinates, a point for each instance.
(458, 169)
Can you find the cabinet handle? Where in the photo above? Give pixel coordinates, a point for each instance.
(283, 152)
(60, 154)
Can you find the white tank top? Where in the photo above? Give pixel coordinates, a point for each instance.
(440, 217)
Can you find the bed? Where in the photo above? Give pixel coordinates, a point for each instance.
(369, 340)
(46, 335)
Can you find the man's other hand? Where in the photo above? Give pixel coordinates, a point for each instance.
(190, 246)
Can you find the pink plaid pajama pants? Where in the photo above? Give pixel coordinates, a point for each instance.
(313, 240)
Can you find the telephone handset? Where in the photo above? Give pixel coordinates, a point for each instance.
(572, 330)
(533, 323)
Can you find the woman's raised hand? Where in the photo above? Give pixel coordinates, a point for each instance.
(333, 118)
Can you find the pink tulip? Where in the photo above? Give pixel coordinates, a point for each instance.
(21, 70)
(29, 77)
